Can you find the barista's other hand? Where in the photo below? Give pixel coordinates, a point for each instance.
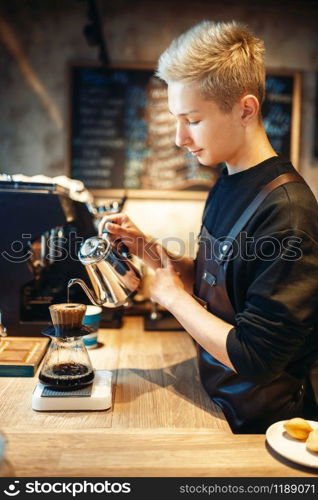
(166, 284)
(119, 226)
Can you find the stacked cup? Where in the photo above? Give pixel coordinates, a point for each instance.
(92, 319)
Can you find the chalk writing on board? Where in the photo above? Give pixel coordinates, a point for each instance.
(277, 112)
(123, 136)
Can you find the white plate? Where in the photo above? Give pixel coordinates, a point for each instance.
(289, 447)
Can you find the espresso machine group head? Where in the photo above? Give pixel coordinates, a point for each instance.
(44, 228)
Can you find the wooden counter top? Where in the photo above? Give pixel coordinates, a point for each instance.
(161, 424)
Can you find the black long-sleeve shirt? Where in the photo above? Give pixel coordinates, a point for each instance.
(273, 282)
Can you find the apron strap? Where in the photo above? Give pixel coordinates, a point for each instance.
(253, 206)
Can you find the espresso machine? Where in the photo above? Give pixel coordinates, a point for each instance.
(43, 228)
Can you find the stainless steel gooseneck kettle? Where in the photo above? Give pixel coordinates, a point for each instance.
(113, 273)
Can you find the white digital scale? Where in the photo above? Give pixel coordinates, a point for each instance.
(97, 396)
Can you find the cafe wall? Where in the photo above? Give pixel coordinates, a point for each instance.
(38, 39)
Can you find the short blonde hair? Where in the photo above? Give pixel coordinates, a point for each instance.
(224, 59)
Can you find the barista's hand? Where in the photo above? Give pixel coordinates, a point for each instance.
(119, 226)
(166, 284)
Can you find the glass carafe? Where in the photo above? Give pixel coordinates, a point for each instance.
(67, 364)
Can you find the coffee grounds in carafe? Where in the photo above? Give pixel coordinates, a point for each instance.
(67, 376)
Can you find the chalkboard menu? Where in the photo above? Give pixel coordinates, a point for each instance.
(122, 134)
(277, 112)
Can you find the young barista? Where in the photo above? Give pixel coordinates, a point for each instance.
(250, 298)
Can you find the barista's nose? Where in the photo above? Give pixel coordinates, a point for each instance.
(182, 135)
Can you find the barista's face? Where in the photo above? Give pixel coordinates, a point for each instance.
(209, 133)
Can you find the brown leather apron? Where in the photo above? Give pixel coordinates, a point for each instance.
(248, 407)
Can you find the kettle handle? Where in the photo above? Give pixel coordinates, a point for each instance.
(124, 250)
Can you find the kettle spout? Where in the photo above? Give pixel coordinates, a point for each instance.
(90, 294)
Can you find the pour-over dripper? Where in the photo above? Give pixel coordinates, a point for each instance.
(67, 364)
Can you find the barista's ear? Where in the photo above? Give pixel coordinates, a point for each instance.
(249, 108)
